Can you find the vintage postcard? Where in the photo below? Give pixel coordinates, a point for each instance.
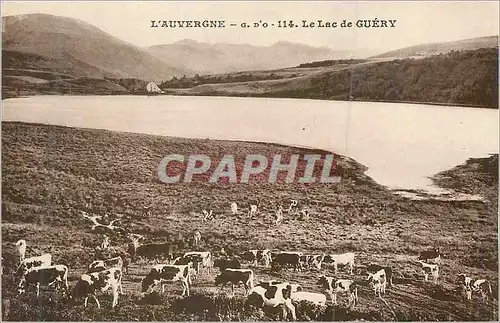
(249, 161)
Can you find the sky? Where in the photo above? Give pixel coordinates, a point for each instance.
(416, 22)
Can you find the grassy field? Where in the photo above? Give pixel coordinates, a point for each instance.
(50, 174)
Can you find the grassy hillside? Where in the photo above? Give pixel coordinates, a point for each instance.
(441, 48)
(50, 174)
(467, 78)
(71, 46)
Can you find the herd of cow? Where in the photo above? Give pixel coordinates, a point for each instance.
(107, 274)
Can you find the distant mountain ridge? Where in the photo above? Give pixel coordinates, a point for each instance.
(206, 58)
(75, 47)
(441, 48)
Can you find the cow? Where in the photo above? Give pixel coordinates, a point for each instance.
(373, 268)
(45, 276)
(265, 283)
(197, 237)
(27, 264)
(272, 296)
(235, 276)
(234, 208)
(206, 258)
(293, 206)
(339, 286)
(430, 269)
(379, 282)
(207, 215)
(253, 210)
(21, 249)
(105, 242)
(279, 215)
(101, 265)
(284, 259)
(162, 274)
(256, 255)
(222, 264)
(431, 255)
(89, 284)
(317, 260)
(315, 298)
(342, 259)
(478, 285)
(155, 250)
(195, 261)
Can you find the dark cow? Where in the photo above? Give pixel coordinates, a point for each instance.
(272, 296)
(45, 276)
(156, 251)
(339, 286)
(255, 256)
(430, 255)
(222, 264)
(89, 284)
(235, 276)
(373, 268)
(161, 274)
(287, 259)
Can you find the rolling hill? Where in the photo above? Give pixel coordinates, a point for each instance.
(70, 46)
(207, 58)
(440, 48)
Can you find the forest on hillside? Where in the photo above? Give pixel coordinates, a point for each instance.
(458, 77)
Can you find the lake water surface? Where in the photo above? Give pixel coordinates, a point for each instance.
(402, 144)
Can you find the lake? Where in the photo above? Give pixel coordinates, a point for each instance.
(402, 144)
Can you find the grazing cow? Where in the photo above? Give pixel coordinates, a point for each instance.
(235, 276)
(272, 296)
(379, 282)
(279, 215)
(206, 258)
(339, 286)
(304, 214)
(373, 268)
(162, 274)
(293, 206)
(21, 249)
(253, 210)
(156, 250)
(234, 208)
(315, 298)
(256, 255)
(284, 259)
(27, 264)
(45, 276)
(430, 269)
(207, 215)
(90, 283)
(105, 242)
(479, 285)
(431, 255)
(197, 237)
(222, 264)
(342, 259)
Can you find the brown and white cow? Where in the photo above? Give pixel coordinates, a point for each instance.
(256, 256)
(89, 284)
(27, 264)
(235, 276)
(339, 286)
(373, 268)
(430, 269)
(378, 281)
(268, 295)
(346, 259)
(470, 285)
(45, 276)
(101, 265)
(163, 274)
(287, 259)
(206, 258)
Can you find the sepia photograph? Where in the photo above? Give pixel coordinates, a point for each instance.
(249, 161)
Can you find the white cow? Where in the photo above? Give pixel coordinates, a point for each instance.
(430, 269)
(342, 259)
(21, 249)
(197, 237)
(234, 208)
(253, 210)
(379, 282)
(315, 298)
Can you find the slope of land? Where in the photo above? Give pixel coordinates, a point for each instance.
(467, 78)
(51, 174)
(205, 58)
(441, 48)
(70, 46)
